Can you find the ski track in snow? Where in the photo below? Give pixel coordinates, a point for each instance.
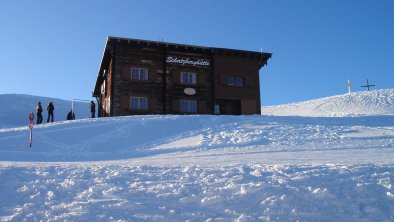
(205, 168)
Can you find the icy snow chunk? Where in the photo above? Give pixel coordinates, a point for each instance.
(50, 195)
(244, 218)
(210, 200)
(23, 189)
(242, 191)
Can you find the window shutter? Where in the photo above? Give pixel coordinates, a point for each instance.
(248, 81)
(176, 77)
(125, 102)
(126, 72)
(176, 105)
(223, 79)
(152, 104)
(202, 107)
(152, 74)
(201, 78)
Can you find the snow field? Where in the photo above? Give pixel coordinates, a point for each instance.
(206, 168)
(195, 193)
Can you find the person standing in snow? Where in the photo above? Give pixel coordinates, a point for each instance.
(92, 108)
(39, 113)
(71, 115)
(50, 109)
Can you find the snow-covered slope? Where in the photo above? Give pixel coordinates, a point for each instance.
(377, 102)
(200, 168)
(15, 109)
(136, 137)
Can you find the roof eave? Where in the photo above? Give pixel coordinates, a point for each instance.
(96, 90)
(264, 59)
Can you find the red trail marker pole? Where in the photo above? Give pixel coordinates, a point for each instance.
(31, 125)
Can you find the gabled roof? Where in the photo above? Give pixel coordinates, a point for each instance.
(263, 57)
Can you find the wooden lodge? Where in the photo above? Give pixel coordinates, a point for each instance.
(138, 77)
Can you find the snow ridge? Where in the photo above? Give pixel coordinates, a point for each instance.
(376, 102)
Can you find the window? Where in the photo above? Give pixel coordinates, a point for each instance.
(235, 80)
(217, 109)
(188, 78)
(138, 103)
(139, 74)
(188, 106)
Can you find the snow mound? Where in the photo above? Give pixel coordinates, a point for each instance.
(15, 109)
(377, 102)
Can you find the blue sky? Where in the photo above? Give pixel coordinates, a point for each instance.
(54, 48)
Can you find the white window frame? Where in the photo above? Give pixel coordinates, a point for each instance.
(139, 103)
(108, 104)
(103, 88)
(139, 73)
(186, 106)
(190, 78)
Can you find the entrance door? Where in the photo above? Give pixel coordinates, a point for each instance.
(229, 107)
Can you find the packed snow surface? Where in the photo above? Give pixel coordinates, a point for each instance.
(200, 168)
(377, 102)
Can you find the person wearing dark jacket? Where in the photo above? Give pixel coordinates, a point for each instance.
(70, 115)
(39, 113)
(92, 108)
(50, 109)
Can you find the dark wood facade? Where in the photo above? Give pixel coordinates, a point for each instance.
(146, 77)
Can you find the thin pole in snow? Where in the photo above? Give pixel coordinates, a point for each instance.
(78, 100)
(349, 84)
(31, 125)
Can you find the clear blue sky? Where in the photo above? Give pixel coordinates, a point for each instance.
(53, 48)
